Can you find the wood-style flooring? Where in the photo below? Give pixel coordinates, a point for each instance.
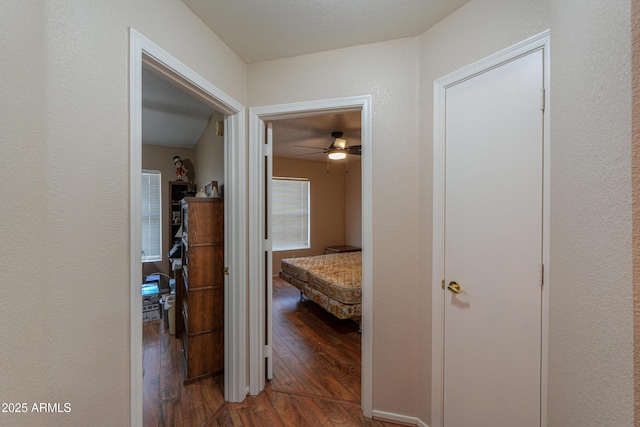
(316, 375)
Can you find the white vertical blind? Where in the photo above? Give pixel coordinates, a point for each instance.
(290, 214)
(151, 217)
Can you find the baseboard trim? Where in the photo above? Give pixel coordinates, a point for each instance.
(398, 419)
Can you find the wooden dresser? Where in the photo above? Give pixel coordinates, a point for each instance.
(341, 248)
(201, 296)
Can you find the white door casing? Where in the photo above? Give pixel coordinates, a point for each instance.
(491, 237)
(258, 116)
(143, 50)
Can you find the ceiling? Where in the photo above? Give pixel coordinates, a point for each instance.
(258, 30)
(314, 131)
(170, 117)
(173, 118)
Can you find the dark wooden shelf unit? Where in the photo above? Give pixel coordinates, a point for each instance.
(177, 191)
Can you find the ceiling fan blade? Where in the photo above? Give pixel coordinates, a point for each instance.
(310, 154)
(307, 146)
(355, 149)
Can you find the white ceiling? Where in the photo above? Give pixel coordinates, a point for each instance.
(258, 30)
(173, 118)
(170, 117)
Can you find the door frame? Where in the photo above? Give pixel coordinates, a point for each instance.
(142, 50)
(258, 116)
(538, 42)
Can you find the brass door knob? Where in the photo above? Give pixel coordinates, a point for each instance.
(455, 288)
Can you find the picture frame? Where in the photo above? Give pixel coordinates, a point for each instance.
(211, 189)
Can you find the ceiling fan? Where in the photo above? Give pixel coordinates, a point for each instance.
(337, 150)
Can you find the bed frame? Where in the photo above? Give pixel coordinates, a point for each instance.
(333, 281)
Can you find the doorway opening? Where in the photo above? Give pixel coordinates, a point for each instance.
(262, 119)
(144, 53)
(316, 346)
(183, 142)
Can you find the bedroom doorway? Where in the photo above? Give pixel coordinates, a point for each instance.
(145, 53)
(313, 208)
(280, 120)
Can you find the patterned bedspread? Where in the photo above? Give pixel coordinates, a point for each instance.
(334, 281)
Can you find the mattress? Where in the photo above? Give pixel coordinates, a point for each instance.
(340, 277)
(333, 281)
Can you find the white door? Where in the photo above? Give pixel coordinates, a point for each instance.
(268, 160)
(493, 246)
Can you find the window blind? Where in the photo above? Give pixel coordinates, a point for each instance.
(151, 217)
(290, 215)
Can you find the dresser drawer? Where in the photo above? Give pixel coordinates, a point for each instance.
(209, 306)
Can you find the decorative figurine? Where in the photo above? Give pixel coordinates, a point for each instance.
(181, 171)
(201, 193)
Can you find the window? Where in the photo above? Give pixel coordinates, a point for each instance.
(290, 214)
(151, 217)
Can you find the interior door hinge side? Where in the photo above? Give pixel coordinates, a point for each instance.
(542, 98)
(442, 284)
(267, 150)
(267, 351)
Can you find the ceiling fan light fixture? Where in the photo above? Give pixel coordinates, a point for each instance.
(337, 155)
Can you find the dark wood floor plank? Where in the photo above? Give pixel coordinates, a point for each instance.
(288, 412)
(222, 418)
(316, 375)
(151, 333)
(170, 383)
(311, 412)
(151, 377)
(302, 378)
(336, 412)
(171, 413)
(212, 390)
(264, 414)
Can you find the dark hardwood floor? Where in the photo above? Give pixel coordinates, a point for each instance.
(316, 375)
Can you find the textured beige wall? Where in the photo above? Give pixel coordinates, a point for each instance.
(635, 167)
(399, 75)
(64, 151)
(590, 181)
(477, 30)
(389, 72)
(591, 317)
(64, 147)
(353, 204)
(210, 154)
(327, 204)
(590, 351)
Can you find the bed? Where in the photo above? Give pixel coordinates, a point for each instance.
(333, 281)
